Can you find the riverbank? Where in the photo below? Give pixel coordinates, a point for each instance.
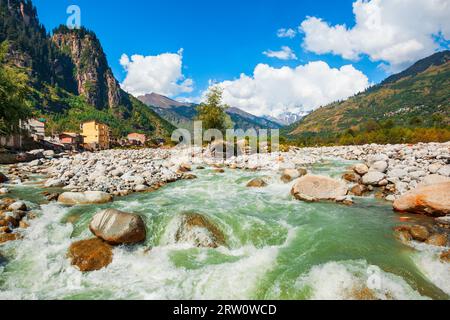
(391, 170)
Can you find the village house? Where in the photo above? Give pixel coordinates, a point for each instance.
(71, 140)
(137, 139)
(96, 135)
(36, 128)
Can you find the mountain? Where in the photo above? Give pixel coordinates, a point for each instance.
(69, 77)
(162, 102)
(418, 97)
(182, 114)
(287, 118)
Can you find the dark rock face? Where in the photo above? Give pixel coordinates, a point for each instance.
(93, 76)
(90, 255)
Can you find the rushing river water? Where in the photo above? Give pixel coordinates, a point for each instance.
(277, 248)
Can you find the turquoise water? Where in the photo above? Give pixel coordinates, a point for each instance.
(277, 247)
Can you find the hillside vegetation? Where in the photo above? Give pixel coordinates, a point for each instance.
(411, 106)
(69, 79)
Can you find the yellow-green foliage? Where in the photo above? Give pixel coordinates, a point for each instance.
(13, 93)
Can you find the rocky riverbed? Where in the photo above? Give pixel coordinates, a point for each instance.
(392, 169)
(411, 179)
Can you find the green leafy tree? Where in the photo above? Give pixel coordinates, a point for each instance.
(13, 94)
(213, 111)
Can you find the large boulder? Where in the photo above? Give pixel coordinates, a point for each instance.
(433, 200)
(90, 255)
(316, 188)
(88, 197)
(257, 183)
(117, 227)
(199, 231)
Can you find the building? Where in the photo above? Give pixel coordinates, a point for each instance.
(137, 139)
(96, 135)
(35, 128)
(71, 140)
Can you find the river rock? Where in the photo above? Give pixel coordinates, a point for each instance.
(289, 174)
(117, 227)
(439, 240)
(419, 233)
(444, 171)
(90, 255)
(54, 183)
(189, 176)
(397, 173)
(87, 197)
(373, 178)
(18, 206)
(6, 237)
(199, 231)
(351, 176)
(361, 169)
(358, 190)
(3, 178)
(316, 188)
(434, 168)
(445, 256)
(4, 191)
(403, 234)
(35, 163)
(379, 166)
(443, 222)
(433, 200)
(257, 183)
(48, 154)
(185, 167)
(433, 179)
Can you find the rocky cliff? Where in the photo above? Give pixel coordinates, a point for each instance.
(94, 78)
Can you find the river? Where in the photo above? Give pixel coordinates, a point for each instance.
(277, 247)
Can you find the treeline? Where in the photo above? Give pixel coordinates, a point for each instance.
(380, 133)
(31, 46)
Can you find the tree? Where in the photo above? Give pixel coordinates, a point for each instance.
(213, 111)
(13, 94)
(371, 125)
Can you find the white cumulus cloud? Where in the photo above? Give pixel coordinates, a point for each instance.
(286, 33)
(285, 53)
(160, 74)
(270, 91)
(398, 32)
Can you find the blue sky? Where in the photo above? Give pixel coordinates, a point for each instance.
(220, 39)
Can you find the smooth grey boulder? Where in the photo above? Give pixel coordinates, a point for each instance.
(117, 227)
